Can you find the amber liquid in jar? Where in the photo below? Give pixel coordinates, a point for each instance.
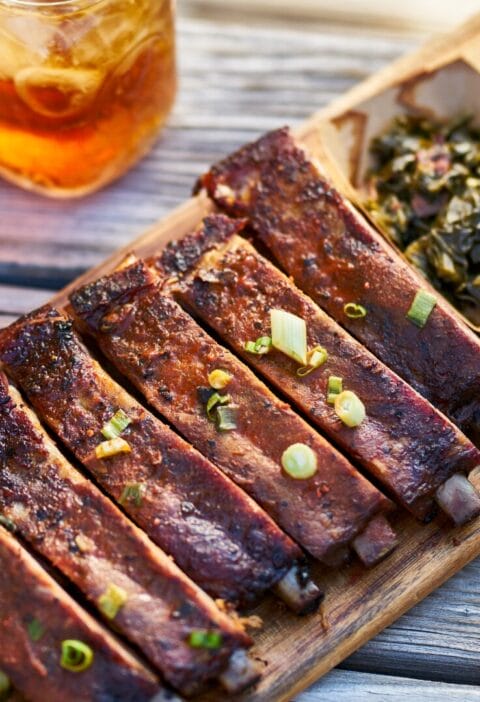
(84, 88)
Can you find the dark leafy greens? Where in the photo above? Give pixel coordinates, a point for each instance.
(424, 192)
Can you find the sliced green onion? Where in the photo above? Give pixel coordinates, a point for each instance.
(299, 461)
(261, 346)
(7, 523)
(35, 630)
(226, 418)
(315, 358)
(116, 425)
(5, 685)
(215, 400)
(349, 408)
(354, 311)
(219, 379)
(421, 308)
(132, 492)
(112, 600)
(76, 656)
(289, 335)
(334, 388)
(112, 447)
(205, 639)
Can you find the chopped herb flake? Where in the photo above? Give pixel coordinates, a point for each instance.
(116, 425)
(112, 448)
(35, 630)
(133, 493)
(205, 639)
(421, 308)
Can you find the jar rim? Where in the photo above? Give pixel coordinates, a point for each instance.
(71, 5)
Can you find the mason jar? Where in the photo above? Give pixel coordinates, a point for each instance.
(85, 86)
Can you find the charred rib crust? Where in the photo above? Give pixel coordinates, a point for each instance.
(404, 441)
(229, 546)
(69, 521)
(27, 593)
(323, 515)
(335, 256)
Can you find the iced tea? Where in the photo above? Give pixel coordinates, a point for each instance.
(84, 89)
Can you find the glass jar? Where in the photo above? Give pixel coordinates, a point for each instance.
(85, 86)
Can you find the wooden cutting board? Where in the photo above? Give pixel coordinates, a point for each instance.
(359, 603)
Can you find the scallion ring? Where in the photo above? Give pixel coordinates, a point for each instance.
(112, 600)
(299, 461)
(260, 347)
(215, 400)
(76, 656)
(116, 425)
(219, 379)
(226, 418)
(421, 308)
(5, 685)
(133, 493)
(354, 311)
(289, 335)
(315, 358)
(334, 388)
(205, 639)
(349, 408)
(112, 448)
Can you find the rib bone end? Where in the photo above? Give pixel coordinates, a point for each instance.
(241, 673)
(375, 542)
(298, 591)
(459, 499)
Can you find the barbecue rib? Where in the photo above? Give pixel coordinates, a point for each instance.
(32, 660)
(229, 546)
(69, 521)
(164, 352)
(404, 442)
(336, 257)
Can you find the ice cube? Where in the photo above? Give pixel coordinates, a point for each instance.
(57, 92)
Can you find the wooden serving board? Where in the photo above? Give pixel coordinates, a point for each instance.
(359, 603)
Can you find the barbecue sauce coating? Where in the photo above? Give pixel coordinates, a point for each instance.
(69, 521)
(403, 441)
(161, 349)
(336, 257)
(27, 592)
(229, 546)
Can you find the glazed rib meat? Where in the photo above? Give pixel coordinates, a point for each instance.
(337, 257)
(70, 522)
(230, 547)
(164, 352)
(403, 441)
(32, 661)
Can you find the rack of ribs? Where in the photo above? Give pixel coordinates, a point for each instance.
(29, 594)
(167, 355)
(405, 443)
(229, 546)
(137, 587)
(336, 256)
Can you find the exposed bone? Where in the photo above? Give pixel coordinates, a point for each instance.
(241, 673)
(459, 499)
(298, 591)
(375, 542)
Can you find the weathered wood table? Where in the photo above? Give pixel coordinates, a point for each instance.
(237, 79)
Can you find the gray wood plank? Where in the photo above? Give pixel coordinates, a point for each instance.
(343, 686)
(235, 82)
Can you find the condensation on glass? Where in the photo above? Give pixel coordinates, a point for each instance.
(84, 88)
